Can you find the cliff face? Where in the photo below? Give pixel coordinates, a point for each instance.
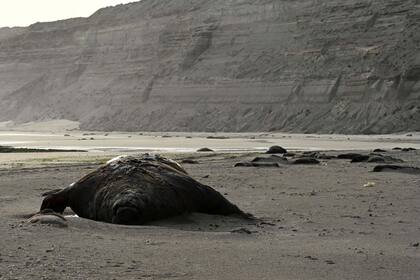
(344, 66)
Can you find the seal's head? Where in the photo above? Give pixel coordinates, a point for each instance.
(56, 202)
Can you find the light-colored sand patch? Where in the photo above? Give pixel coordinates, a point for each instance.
(43, 126)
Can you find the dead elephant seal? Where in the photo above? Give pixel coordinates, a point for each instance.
(135, 190)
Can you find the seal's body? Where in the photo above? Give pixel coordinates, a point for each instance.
(135, 190)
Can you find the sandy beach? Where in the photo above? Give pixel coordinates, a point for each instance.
(315, 221)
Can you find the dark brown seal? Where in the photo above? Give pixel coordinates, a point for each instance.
(135, 190)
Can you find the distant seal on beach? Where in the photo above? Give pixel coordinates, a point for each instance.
(276, 150)
(397, 168)
(135, 190)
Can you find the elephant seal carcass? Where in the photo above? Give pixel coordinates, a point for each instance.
(135, 190)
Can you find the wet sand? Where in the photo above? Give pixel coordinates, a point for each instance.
(190, 142)
(317, 222)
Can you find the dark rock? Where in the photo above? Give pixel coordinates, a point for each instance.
(397, 168)
(189, 161)
(304, 160)
(242, 231)
(256, 164)
(310, 154)
(397, 149)
(217, 137)
(272, 158)
(324, 156)
(276, 150)
(316, 155)
(205, 150)
(377, 159)
(289, 154)
(408, 149)
(379, 151)
(349, 156)
(372, 157)
(360, 158)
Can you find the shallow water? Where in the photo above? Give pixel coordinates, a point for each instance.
(190, 142)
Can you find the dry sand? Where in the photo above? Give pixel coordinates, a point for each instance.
(317, 222)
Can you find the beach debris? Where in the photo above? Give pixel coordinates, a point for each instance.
(416, 244)
(408, 149)
(311, 258)
(276, 150)
(397, 168)
(369, 185)
(204, 150)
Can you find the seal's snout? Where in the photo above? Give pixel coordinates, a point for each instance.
(56, 203)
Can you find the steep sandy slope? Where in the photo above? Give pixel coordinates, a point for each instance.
(348, 66)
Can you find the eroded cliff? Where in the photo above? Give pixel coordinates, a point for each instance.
(343, 66)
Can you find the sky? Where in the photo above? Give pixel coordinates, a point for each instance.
(26, 12)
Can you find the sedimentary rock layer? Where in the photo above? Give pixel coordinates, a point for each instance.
(343, 66)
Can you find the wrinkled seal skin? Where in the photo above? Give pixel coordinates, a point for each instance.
(134, 190)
